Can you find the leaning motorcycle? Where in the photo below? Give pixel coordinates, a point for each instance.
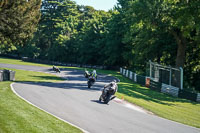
(91, 81)
(56, 69)
(106, 95)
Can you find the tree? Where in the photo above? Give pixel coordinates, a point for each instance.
(56, 27)
(136, 31)
(155, 26)
(114, 47)
(18, 22)
(91, 38)
(178, 18)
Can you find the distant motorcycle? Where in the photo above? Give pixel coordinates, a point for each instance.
(108, 92)
(91, 81)
(56, 69)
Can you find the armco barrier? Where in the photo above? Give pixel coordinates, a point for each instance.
(135, 77)
(121, 70)
(198, 97)
(127, 73)
(131, 75)
(155, 85)
(174, 91)
(187, 95)
(141, 79)
(124, 72)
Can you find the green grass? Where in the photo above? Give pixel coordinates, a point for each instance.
(27, 76)
(163, 105)
(176, 109)
(17, 116)
(20, 62)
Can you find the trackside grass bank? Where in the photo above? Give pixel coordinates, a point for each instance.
(17, 116)
(163, 105)
(172, 108)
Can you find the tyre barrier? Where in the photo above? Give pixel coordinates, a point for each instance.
(7, 75)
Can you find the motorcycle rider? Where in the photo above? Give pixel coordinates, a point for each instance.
(112, 84)
(56, 69)
(92, 78)
(94, 74)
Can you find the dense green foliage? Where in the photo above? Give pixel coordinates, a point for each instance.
(134, 32)
(18, 21)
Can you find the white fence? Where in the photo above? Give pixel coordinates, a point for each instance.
(198, 97)
(168, 89)
(128, 74)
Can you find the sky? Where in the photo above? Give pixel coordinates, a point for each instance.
(98, 4)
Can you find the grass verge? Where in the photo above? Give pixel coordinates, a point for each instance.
(20, 62)
(163, 105)
(17, 116)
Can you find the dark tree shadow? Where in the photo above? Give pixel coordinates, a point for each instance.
(49, 78)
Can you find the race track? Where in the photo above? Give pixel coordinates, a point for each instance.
(72, 101)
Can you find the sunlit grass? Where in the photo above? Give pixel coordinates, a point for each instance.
(163, 105)
(22, 75)
(17, 116)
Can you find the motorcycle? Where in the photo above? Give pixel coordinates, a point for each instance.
(56, 69)
(91, 81)
(107, 94)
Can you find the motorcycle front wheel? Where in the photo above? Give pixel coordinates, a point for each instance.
(107, 99)
(89, 84)
(100, 99)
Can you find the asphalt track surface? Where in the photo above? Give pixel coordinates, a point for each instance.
(72, 101)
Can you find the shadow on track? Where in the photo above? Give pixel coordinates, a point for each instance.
(80, 86)
(97, 101)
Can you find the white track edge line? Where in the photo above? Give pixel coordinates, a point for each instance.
(12, 88)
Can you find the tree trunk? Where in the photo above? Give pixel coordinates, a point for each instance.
(181, 49)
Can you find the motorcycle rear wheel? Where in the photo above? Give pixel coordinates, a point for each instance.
(89, 84)
(100, 99)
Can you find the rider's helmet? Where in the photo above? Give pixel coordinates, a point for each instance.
(113, 82)
(94, 71)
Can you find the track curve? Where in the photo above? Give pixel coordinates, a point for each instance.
(72, 101)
